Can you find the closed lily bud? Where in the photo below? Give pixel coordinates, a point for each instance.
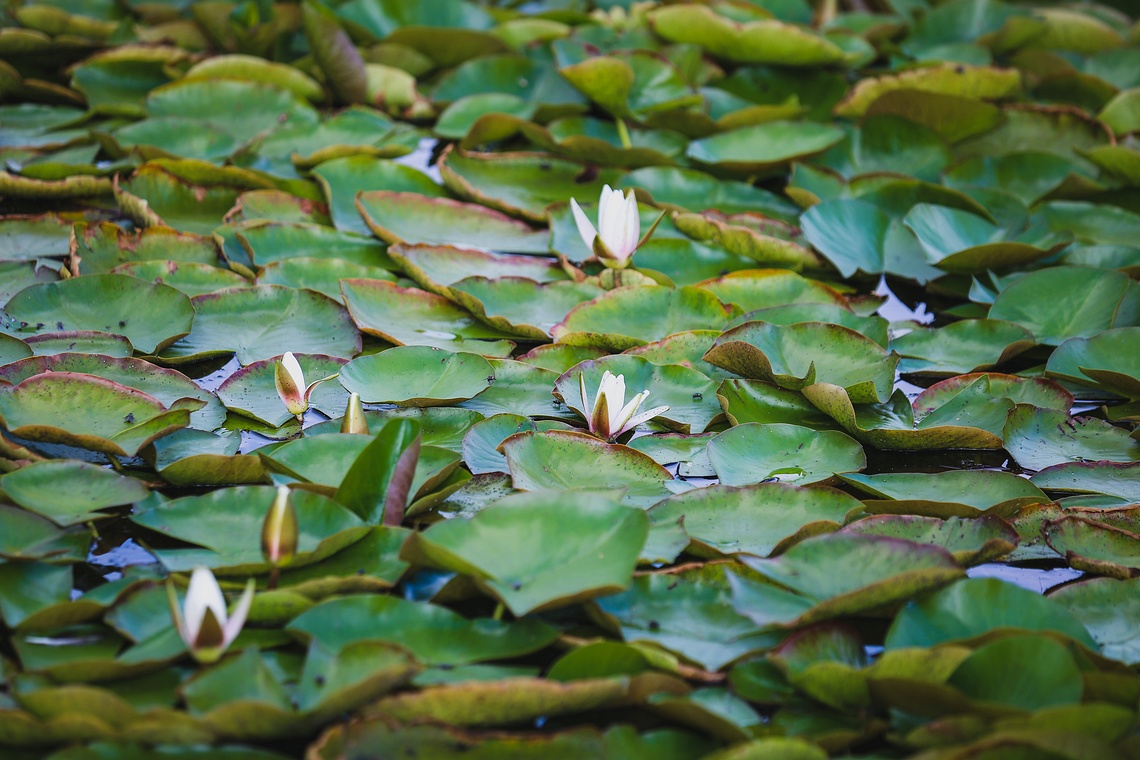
(202, 620)
(354, 421)
(615, 238)
(279, 531)
(290, 382)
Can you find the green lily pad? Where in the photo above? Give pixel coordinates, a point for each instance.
(166, 385)
(321, 275)
(958, 241)
(102, 247)
(435, 268)
(519, 305)
(30, 537)
(681, 189)
(1106, 360)
(341, 179)
(1113, 478)
(973, 489)
(1059, 303)
(975, 82)
(972, 541)
(690, 395)
(764, 147)
(519, 388)
(242, 109)
(1026, 672)
(435, 635)
(399, 217)
(154, 196)
(521, 184)
(754, 289)
(252, 390)
(286, 320)
(266, 242)
(70, 492)
(971, 345)
(769, 242)
(633, 316)
(766, 41)
(687, 613)
(633, 85)
(189, 277)
(552, 568)
(980, 607)
(150, 315)
(413, 317)
(856, 235)
(838, 574)
(106, 417)
(757, 401)
(223, 526)
(1104, 606)
(417, 376)
(755, 452)
(798, 355)
(761, 519)
(1095, 547)
(576, 461)
(1039, 438)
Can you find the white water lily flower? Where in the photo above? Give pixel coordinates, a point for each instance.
(290, 381)
(203, 622)
(616, 236)
(610, 416)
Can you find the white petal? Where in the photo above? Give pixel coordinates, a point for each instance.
(636, 420)
(605, 212)
(585, 229)
(237, 618)
(202, 594)
(628, 410)
(293, 367)
(632, 231)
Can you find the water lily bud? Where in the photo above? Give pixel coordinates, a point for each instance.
(615, 238)
(279, 532)
(354, 421)
(290, 382)
(202, 621)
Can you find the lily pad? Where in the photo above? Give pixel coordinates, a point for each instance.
(286, 320)
(70, 492)
(755, 452)
(1106, 360)
(252, 390)
(412, 317)
(150, 315)
(764, 147)
(761, 519)
(554, 569)
(575, 461)
(417, 376)
(1039, 438)
(107, 417)
(1059, 303)
(633, 316)
(442, 637)
(324, 527)
(798, 355)
(971, 345)
(397, 217)
(166, 385)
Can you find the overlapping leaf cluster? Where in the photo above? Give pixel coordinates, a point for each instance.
(767, 570)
